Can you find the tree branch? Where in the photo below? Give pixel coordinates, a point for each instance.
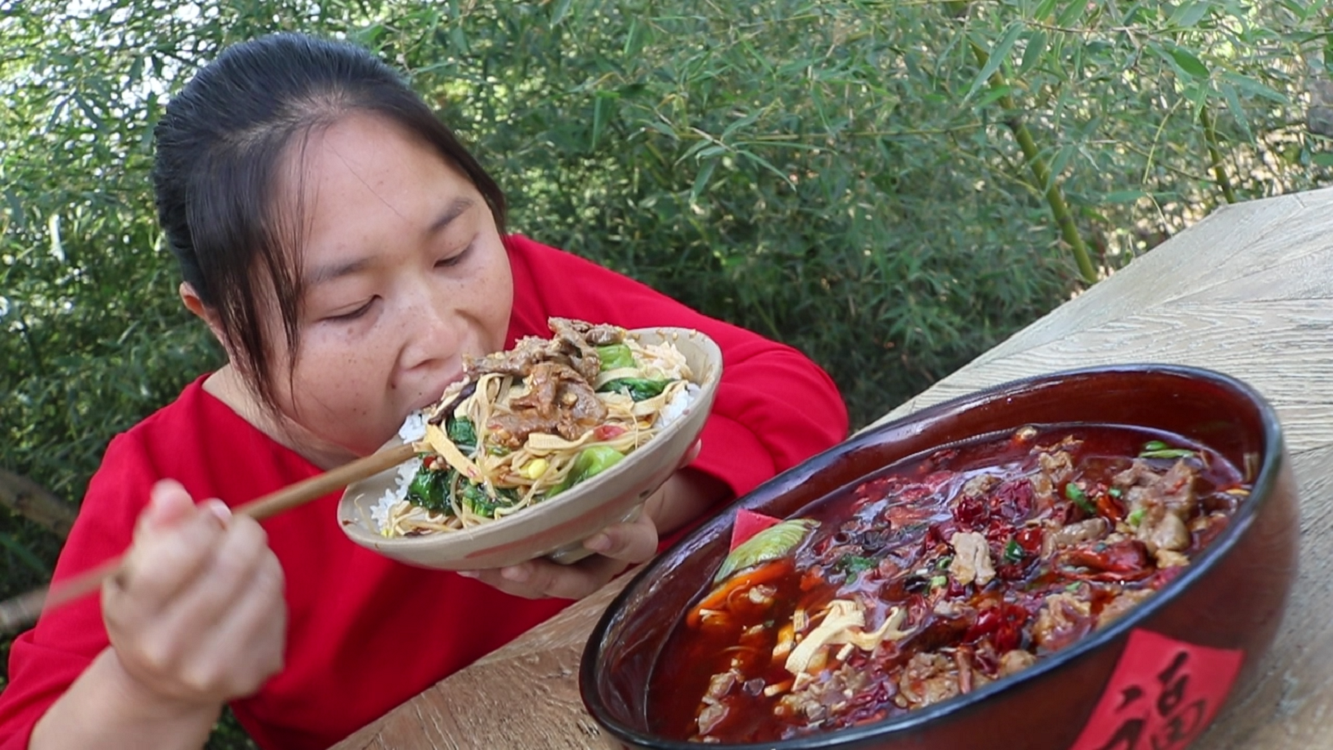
(32, 501)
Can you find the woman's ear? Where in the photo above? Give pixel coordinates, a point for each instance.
(194, 304)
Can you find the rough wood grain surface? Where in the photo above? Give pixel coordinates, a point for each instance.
(1248, 291)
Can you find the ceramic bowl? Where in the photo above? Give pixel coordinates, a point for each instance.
(1154, 678)
(555, 528)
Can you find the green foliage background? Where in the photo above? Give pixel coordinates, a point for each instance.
(842, 175)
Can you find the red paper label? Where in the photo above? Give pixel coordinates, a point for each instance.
(1162, 695)
(747, 524)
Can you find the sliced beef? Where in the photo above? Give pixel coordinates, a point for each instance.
(558, 401)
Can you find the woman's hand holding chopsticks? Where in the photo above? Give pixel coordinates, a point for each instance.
(196, 617)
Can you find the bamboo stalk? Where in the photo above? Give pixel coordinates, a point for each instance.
(1041, 172)
(1215, 154)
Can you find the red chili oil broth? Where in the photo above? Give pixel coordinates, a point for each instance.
(916, 496)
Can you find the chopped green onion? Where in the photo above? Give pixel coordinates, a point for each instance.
(1114, 492)
(853, 565)
(1079, 497)
(1168, 453)
(1155, 445)
(1012, 552)
(1136, 517)
(943, 562)
(939, 582)
(1073, 586)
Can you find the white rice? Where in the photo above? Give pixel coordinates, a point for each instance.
(678, 405)
(413, 429)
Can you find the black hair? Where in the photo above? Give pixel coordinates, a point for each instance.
(220, 146)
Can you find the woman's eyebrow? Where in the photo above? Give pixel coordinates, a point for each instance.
(324, 274)
(454, 210)
(333, 272)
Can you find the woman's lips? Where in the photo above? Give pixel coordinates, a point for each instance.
(431, 396)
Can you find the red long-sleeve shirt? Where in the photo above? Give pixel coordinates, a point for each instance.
(365, 633)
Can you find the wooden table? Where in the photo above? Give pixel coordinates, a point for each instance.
(1248, 291)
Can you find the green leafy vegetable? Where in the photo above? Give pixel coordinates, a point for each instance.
(462, 433)
(769, 544)
(638, 389)
(428, 490)
(474, 498)
(590, 462)
(615, 357)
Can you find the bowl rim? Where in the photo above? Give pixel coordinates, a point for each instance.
(707, 383)
(1261, 492)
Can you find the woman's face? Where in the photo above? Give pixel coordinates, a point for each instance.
(403, 272)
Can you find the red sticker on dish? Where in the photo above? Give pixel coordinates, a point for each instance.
(748, 523)
(1162, 695)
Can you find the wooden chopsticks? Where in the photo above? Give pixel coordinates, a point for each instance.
(24, 609)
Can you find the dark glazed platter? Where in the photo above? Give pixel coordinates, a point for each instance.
(1152, 679)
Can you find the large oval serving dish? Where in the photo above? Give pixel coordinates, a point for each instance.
(1154, 678)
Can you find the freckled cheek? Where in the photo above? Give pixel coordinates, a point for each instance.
(345, 379)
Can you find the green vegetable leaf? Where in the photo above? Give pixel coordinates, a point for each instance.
(615, 357)
(429, 490)
(769, 544)
(638, 389)
(589, 463)
(462, 433)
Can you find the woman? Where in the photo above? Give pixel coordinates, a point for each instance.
(347, 252)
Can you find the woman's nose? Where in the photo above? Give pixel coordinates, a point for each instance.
(431, 332)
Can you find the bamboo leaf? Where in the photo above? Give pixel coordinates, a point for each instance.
(1032, 55)
(1254, 87)
(1188, 62)
(1124, 196)
(1058, 164)
(560, 11)
(701, 180)
(743, 122)
(1072, 13)
(17, 549)
(634, 39)
(601, 108)
(993, 93)
(1187, 15)
(1237, 112)
(996, 57)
